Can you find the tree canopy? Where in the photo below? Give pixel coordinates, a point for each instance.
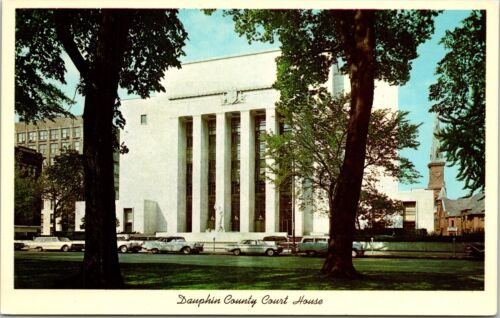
(460, 99)
(111, 48)
(27, 198)
(312, 144)
(63, 185)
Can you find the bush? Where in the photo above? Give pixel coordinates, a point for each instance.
(402, 235)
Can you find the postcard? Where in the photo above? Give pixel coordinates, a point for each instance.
(249, 158)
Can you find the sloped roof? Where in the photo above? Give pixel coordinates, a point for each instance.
(475, 205)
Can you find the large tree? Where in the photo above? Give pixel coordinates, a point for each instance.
(62, 184)
(312, 144)
(371, 45)
(460, 96)
(111, 48)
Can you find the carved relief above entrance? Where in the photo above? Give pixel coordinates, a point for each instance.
(232, 96)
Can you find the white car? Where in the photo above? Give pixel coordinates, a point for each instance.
(173, 244)
(125, 244)
(48, 243)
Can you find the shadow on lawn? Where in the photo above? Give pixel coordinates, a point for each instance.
(65, 275)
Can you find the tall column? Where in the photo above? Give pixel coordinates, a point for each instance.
(247, 173)
(200, 174)
(272, 194)
(223, 171)
(304, 209)
(180, 133)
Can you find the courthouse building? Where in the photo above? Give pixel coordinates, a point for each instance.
(196, 153)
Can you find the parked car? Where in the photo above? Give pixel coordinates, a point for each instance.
(285, 242)
(269, 248)
(56, 243)
(172, 244)
(18, 246)
(475, 250)
(78, 246)
(318, 245)
(126, 244)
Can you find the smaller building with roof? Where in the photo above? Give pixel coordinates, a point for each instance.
(460, 216)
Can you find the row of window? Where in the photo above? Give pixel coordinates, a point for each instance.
(54, 148)
(43, 135)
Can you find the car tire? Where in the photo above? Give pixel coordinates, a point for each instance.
(237, 252)
(311, 253)
(354, 253)
(186, 250)
(123, 249)
(39, 249)
(155, 251)
(270, 252)
(65, 248)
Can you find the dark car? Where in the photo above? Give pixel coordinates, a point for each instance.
(475, 250)
(18, 246)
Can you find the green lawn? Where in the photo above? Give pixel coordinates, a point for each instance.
(283, 273)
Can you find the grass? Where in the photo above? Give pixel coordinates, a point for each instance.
(284, 273)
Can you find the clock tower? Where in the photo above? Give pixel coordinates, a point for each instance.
(436, 166)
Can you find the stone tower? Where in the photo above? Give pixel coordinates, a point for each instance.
(436, 164)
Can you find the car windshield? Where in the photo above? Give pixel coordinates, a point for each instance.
(64, 239)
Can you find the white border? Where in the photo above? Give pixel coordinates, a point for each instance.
(164, 302)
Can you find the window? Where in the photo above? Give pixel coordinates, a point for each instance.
(189, 175)
(65, 133)
(409, 215)
(65, 145)
(42, 149)
(42, 135)
(53, 150)
(128, 216)
(21, 137)
(76, 145)
(211, 171)
(260, 171)
(76, 132)
(54, 134)
(32, 136)
(144, 119)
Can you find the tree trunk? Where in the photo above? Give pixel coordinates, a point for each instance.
(344, 203)
(100, 264)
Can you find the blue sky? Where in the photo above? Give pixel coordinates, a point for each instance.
(214, 36)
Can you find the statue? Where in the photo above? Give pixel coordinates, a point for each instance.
(220, 213)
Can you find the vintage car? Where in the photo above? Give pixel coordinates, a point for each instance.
(318, 245)
(268, 248)
(54, 243)
(172, 244)
(127, 244)
(475, 250)
(19, 246)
